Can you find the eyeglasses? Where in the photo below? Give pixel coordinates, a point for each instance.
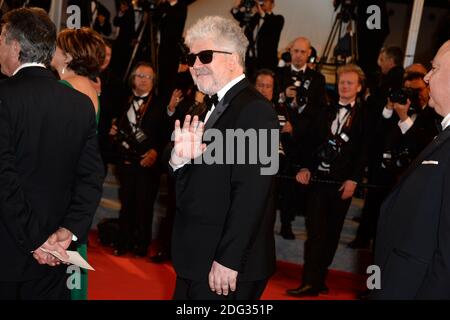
(146, 76)
(205, 56)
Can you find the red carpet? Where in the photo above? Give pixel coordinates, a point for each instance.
(130, 278)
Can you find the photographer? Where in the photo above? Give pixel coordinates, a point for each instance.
(171, 18)
(262, 28)
(407, 125)
(139, 138)
(286, 190)
(340, 157)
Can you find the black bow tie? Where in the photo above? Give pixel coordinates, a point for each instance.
(346, 107)
(138, 98)
(210, 101)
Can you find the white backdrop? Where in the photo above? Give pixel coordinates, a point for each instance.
(310, 18)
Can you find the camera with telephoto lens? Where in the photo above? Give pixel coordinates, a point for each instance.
(396, 160)
(401, 96)
(331, 149)
(301, 84)
(130, 142)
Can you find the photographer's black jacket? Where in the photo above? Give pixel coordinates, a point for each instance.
(350, 163)
(424, 129)
(304, 123)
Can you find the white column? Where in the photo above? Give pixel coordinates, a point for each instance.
(55, 13)
(413, 33)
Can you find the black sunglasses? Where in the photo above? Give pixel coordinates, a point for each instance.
(205, 56)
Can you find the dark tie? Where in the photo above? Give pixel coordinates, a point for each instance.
(210, 101)
(347, 107)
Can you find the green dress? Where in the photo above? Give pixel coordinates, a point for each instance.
(81, 294)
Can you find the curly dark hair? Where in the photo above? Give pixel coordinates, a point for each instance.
(87, 49)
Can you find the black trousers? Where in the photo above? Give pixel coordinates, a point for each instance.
(137, 193)
(324, 219)
(53, 286)
(369, 216)
(166, 224)
(199, 290)
(290, 195)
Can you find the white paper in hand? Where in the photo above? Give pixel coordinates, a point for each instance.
(74, 258)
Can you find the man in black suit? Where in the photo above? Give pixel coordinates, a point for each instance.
(51, 172)
(339, 157)
(263, 29)
(172, 17)
(413, 235)
(303, 90)
(223, 243)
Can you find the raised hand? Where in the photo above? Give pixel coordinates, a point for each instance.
(188, 141)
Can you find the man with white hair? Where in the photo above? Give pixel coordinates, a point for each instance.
(413, 239)
(223, 242)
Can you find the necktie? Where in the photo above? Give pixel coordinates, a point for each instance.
(210, 101)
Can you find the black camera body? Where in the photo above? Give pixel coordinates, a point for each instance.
(247, 6)
(403, 94)
(302, 84)
(149, 5)
(331, 149)
(130, 143)
(396, 160)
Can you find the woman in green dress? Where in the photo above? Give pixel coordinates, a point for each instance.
(78, 57)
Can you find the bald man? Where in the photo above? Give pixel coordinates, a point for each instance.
(304, 92)
(413, 239)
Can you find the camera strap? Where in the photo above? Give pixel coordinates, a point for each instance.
(139, 113)
(347, 120)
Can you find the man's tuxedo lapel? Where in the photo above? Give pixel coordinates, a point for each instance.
(224, 103)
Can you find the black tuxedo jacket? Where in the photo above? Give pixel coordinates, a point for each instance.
(413, 236)
(304, 124)
(51, 173)
(223, 210)
(349, 165)
(153, 124)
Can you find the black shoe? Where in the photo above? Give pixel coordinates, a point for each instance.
(286, 233)
(359, 244)
(324, 289)
(303, 291)
(160, 257)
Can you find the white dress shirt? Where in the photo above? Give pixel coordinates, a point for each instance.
(341, 118)
(28, 64)
(445, 122)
